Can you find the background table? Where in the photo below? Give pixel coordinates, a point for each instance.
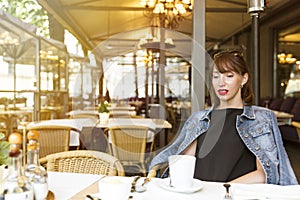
(94, 113)
(283, 118)
(159, 125)
(76, 124)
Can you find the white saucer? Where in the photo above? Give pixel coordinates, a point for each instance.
(165, 184)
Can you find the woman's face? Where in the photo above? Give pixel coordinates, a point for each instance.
(227, 87)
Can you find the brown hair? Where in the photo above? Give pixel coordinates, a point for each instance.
(231, 61)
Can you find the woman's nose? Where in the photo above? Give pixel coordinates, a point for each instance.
(221, 81)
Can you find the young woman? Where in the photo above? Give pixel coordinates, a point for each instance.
(233, 141)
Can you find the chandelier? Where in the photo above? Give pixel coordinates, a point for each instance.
(286, 58)
(169, 12)
(154, 43)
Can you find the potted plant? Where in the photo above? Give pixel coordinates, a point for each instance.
(4, 149)
(103, 111)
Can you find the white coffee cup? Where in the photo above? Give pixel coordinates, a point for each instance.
(113, 188)
(182, 169)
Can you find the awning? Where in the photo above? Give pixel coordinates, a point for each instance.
(95, 21)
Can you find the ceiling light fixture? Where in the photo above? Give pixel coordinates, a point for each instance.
(286, 58)
(169, 12)
(154, 43)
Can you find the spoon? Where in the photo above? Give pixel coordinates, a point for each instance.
(133, 184)
(142, 187)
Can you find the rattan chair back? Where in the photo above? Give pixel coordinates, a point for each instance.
(52, 139)
(129, 144)
(3, 126)
(84, 115)
(86, 162)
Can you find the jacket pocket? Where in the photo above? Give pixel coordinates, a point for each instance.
(262, 136)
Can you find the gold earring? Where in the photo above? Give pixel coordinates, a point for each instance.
(241, 86)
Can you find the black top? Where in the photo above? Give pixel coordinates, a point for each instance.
(221, 155)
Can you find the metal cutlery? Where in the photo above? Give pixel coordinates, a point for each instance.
(133, 184)
(142, 187)
(92, 198)
(227, 195)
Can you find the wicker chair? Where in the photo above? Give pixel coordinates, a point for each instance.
(85, 161)
(129, 145)
(84, 115)
(3, 126)
(52, 139)
(94, 138)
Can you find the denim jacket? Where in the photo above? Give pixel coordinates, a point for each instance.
(257, 127)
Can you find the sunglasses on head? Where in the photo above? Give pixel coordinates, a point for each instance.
(233, 52)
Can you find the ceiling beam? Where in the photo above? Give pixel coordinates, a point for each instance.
(66, 21)
(286, 42)
(118, 8)
(234, 2)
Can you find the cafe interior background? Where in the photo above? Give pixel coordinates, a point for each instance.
(112, 50)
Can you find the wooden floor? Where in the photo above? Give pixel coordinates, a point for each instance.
(293, 151)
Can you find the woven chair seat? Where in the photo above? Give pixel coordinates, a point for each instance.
(86, 162)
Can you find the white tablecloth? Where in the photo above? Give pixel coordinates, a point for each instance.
(152, 123)
(74, 123)
(82, 112)
(122, 113)
(66, 185)
(95, 112)
(131, 121)
(135, 122)
(265, 191)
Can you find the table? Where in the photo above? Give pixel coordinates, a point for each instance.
(283, 118)
(76, 124)
(94, 113)
(152, 123)
(79, 123)
(65, 185)
(157, 124)
(76, 186)
(124, 107)
(91, 113)
(121, 113)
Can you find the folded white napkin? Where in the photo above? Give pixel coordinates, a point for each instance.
(265, 191)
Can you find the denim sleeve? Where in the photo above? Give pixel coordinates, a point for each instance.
(184, 138)
(286, 173)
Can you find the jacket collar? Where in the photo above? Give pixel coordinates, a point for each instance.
(248, 112)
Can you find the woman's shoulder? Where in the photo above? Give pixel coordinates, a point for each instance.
(261, 111)
(201, 114)
(197, 117)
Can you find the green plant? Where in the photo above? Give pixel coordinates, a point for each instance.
(103, 107)
(4, 149)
